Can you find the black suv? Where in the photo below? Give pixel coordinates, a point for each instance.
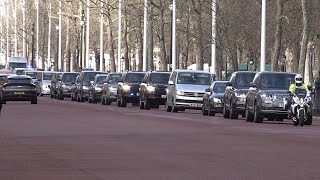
(54, 82)
(65, 84)
(95, 92)
(153, 89)
(235, 95)
(128, 88)
(267, 96)
(85, 80)
(109, 89)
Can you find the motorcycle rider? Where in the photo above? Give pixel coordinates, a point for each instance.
(299, 84)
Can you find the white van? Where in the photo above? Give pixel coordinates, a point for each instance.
(16, 62)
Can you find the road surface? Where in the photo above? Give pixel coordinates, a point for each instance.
(64, 140)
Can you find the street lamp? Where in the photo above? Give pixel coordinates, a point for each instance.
(57, 52)
(32, 48)
(81, 39)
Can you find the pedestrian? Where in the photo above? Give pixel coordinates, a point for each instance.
(317, 92)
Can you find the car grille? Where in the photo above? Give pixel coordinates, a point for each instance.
(188, 101)
(160, 90)
(193, 94)
(135, 88)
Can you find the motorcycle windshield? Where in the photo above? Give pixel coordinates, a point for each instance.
(301, 93)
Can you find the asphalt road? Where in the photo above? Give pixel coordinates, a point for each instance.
(64, 140)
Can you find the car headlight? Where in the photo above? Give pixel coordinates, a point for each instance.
(64, 86)
(85, 87)
(151, 88)
(98, 88)
(44, 86)
(180, 93)
(265, 98)
(216, 100)
(113, 88)
(240, 95)
(126, 87)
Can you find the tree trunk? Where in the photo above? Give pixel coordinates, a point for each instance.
(163, 52)
(150, 38)
(278, 37)
(296, 56)
(111, 45)
(140, 46)
(67, 52)
(126, 46)
(305, 37)
(199, 31)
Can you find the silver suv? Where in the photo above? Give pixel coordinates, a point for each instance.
(186, 89)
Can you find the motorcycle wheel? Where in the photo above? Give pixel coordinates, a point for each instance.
(301, 117)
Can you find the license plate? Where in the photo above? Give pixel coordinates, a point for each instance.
(163, 96)
(18, 93)
(281, 105)
(195, 105)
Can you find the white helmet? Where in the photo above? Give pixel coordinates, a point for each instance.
(298, 79)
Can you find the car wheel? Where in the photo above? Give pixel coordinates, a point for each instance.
(81, 98)
(257, 118)
(233, 114)
(118, 101)
(210, 112)
(108, 102)
(225, 112)
(248, 115)
(34, 100)
(167, 107)
(204, 111)
(141, 103)
(89, 100)
(61, 96)
(123, 102)
(73, 98)
(146, 104)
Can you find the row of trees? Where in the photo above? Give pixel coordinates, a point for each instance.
(292, 32)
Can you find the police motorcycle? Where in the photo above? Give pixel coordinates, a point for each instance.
(301, 107)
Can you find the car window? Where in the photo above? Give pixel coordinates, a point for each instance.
(242, 80)
(134, 77)
(113, 78)
(101, 79)
(159, 77)
(89, 76)
(219, 87)
(47, 76)
(194, 78)
(276, 81)
(28, 81)
(69, 77)
(33, 75)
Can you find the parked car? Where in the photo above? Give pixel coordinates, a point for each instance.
(235, 94)
(128, 88)
(54, 84)
(186, 89)
(43, 82)
(95, 92)
(74, 90)
(267, 96)
(19, 88)
(65, 84)
(213, 99)
(19, 71)
(153, 89)
(83, 86)
(109, 89)
(33, 74)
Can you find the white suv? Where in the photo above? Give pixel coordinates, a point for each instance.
(186, 89)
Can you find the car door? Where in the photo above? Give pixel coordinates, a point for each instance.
(253, 92)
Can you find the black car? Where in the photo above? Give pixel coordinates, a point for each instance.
(83, 85)
(95, 92)
(65, 84)
(153, 89)
(128, 88)
(19, 88)
(267, 96)
(54, 84)
(109, 89)
(213, 99)
(235, 95)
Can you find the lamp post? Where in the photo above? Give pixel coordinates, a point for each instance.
(81, 40)
(57, 52)
(32, 48)
(170, 57)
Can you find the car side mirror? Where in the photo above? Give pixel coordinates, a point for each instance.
(208, 90)
(229, 83)
(171, 83)
(253, 85)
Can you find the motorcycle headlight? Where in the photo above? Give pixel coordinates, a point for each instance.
(151, 88)
(216, 100)
(113, 88)
(64, 86)
(181, 93)
(126, 87)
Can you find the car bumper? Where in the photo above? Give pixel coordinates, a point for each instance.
(45, 91)
(19, 95)
(272, 109)
(239, 106)
(189, 102)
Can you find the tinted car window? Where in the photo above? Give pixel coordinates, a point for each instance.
(159, 77)
(69, 77)
(194, 78)
(114, 78)
(33, 75)
(89, 76)
(47, 76)
(275, 81)
(219, 87)
(101, 79)
(17, 65)
(28, 81)
(242, 80)
(134, 77)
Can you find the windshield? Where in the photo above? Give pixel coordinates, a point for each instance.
(194, 78)
(14, 65)
(47, 76)
(243, 79)
(33, 75)
(276, 81)
(135, 77)
(101, 79)
(28, 81)
(19, 72)
(114, 78)
(89, 76)
(160, 78)
(219, 87)
(68, 78)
